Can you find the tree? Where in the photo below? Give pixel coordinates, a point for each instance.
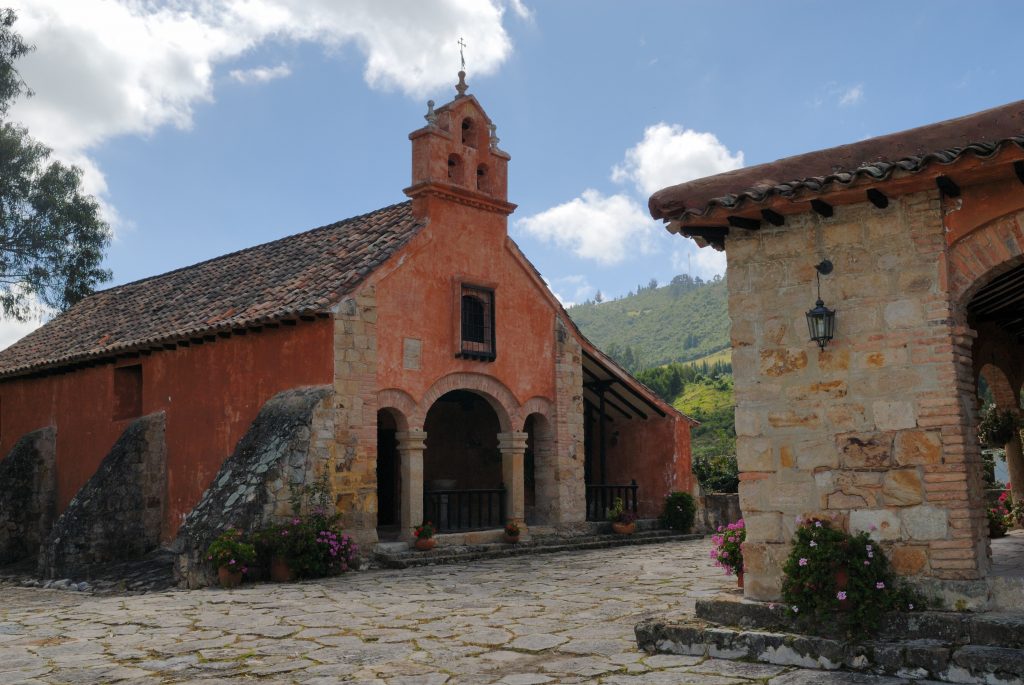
(52, 237)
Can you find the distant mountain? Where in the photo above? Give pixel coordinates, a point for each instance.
(682, 321)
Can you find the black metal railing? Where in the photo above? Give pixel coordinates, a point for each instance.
(600, 499)
(459, 510)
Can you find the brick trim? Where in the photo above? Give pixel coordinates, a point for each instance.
(501, 399)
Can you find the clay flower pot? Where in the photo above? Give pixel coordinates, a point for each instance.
(280, 570)
(511, 539)
(229, 576)
(424, 544)
(624, 528)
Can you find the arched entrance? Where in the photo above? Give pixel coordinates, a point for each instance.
(539, 470)
(389, 481)
(996, 314)
(462, 464)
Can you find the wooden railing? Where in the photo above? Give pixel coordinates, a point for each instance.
(600, 499)
(459, 510)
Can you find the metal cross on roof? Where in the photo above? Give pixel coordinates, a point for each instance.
(462, 44)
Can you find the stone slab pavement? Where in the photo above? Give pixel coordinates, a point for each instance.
(559, 618)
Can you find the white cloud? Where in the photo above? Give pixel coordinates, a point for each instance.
(852, 95)
(108, 68)
(604, 229)
(577, 284)
(705, 262)
(521, 10)
(260, 74)
(670, 154)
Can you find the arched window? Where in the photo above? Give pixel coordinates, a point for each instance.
(455, 168)
(468, 132)
(483, 182)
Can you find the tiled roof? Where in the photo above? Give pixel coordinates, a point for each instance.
(982, 134)
(299, 275)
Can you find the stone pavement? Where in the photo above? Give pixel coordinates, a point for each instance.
(560, 618)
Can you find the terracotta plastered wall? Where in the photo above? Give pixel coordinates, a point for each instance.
(210, 394)
(656, 453)
(873, 430)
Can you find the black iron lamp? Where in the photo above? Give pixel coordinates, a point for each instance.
(821, 321)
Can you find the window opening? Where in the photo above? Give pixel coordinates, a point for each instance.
(455, 168)
(477, 335)
(468, 132)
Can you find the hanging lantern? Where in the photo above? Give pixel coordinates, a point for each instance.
(821, 321)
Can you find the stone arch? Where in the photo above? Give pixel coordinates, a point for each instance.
(400, 403)
(490, 389)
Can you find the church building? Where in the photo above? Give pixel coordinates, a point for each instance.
(450, 383)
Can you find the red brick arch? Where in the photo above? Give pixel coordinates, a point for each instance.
(536, 405)
(400, 403)
(501, 399)
(986, 252)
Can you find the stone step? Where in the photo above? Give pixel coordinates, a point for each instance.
(992, 629)
(935, 659)
(542, 545)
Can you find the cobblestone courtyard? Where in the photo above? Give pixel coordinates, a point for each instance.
(565, 618)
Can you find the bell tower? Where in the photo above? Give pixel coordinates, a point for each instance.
(456, 156)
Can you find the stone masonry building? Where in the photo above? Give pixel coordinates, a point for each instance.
(446, 382)
(878, 428)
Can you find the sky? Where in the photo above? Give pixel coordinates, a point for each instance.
(205, 127)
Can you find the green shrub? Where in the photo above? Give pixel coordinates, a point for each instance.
(679, 511)
(717, 473)
(837, 580)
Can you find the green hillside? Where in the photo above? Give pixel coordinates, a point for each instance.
(682, 321)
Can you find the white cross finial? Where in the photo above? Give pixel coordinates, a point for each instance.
(462, 56)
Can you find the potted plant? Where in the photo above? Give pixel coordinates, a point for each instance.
(997, 427)
(623, 520)
(425, 536)
(835, 578)
(512, 532)
(231, 555)
(680, 510)
(728, 549)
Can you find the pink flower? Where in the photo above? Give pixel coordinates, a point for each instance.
(867, 563)
(910, 606)
(840, 595)
(232, 561)
(813, 543)
(796, 609)
(869, 548)
(879, 585)
(817, 524)
(803, 561)
(872, 527)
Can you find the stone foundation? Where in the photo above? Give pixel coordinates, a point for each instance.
(28, 490)
(282, 448)
(118, 513)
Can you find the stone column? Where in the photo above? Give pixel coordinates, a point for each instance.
(410, 450)
(513, 447)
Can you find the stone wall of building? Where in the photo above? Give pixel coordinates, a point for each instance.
(569, 462)
(353, 452)
(118, 514)
(873, 430)
(285, 447)
(28, 494)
